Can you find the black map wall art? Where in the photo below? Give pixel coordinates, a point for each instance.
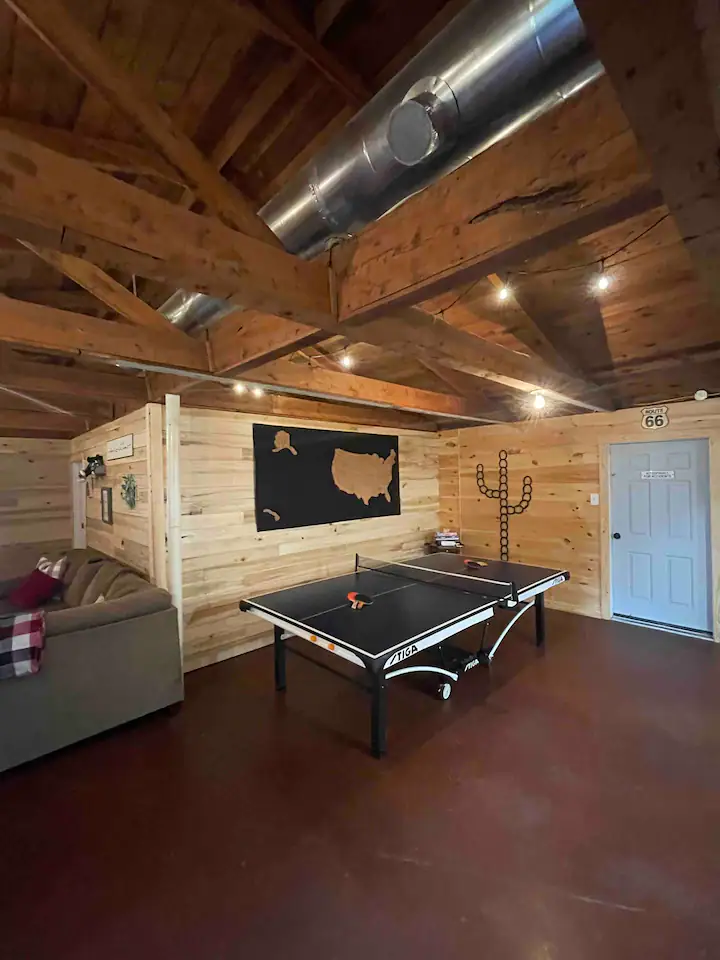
(501, 493)
(307, 477)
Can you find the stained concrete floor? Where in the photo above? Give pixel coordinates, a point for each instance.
(565, 808)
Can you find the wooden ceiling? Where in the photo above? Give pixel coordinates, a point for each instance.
(138, 137)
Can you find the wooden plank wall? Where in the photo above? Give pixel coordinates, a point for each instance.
(225, 558)
(35, 502)
(130, 537)
(566, 458)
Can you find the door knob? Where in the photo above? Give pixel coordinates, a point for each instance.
(616, 536)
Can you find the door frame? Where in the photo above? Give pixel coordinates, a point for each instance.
(78, 492)
(605, 532)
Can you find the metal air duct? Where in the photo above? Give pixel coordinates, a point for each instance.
(496, 66)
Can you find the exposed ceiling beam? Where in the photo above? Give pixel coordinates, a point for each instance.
(254, 108)
(570, 173)
(31, 325)
(279, 21)
(113, 294)
(247, 339)
(517, 321)
(278, 405)
(47, 378)
(109, 155)
(411, 332)
(40, 422)
(326, 13)
(57, 192)
(51, 21)
(327, 384)
(663, 86)
(78, 300)
(152, 237)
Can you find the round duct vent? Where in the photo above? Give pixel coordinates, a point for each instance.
(411, 133)
(425, 121)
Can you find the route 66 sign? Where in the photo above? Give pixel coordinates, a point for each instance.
(653, 418)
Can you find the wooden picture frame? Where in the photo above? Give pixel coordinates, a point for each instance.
(106, 510)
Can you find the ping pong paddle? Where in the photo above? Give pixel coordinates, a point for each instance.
(473, 564)
(359, 600)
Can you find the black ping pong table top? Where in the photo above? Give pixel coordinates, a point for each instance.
(403, 611)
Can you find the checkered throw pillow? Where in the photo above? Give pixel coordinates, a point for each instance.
(52, 568)
(22, 640)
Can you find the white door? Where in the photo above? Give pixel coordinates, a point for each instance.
(660, 525)
(79, 505)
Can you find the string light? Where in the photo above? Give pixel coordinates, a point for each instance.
(603, 280)
(239, 388)
(504, 293)
(346, 361)
(539, 400)
(258, 392)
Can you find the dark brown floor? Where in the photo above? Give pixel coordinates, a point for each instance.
(568, 808)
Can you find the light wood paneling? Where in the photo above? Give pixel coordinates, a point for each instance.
(449, 479)
(35, 503)
(225, 558)
(566, 457)
(129, 538)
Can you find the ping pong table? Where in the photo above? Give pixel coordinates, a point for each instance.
(386, 612)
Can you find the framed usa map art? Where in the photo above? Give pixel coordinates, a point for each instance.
(308, 477)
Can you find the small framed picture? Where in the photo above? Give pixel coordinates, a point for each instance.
(106, 504)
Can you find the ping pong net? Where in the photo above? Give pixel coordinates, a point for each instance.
(467, 582)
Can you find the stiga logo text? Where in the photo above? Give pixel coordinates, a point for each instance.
(401, 655)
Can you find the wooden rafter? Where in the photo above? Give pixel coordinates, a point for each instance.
(328, 384)
(517, 321)
(570, 173)
(57, 192)
(31, 422)
(247, 339)
(669, 92)
(283, 405)
(31, 325)
(326, 13)
(108, 291)
(279, 21)
(153, 238)
(109, 155)
(50, 20)
(46, 378)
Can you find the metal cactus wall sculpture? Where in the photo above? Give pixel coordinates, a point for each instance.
(501, 494)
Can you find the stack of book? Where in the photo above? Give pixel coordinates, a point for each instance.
(447, 539)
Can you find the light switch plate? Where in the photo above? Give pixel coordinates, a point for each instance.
(594, 499)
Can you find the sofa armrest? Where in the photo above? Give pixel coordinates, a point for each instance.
(138, 604)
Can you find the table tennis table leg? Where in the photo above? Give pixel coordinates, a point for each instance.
(280, 656)
(539, 619)
(378, 719)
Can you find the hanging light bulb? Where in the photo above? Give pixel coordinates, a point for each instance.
(504, 293)
(239, 387)
(346, 361)
(539, 400)
(258, 392)
(603, 280)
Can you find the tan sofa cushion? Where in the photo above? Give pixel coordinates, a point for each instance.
(75, 589)
(107, 572)
(125, 585)
(76, 558)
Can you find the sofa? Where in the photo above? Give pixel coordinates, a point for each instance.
(112, 654)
